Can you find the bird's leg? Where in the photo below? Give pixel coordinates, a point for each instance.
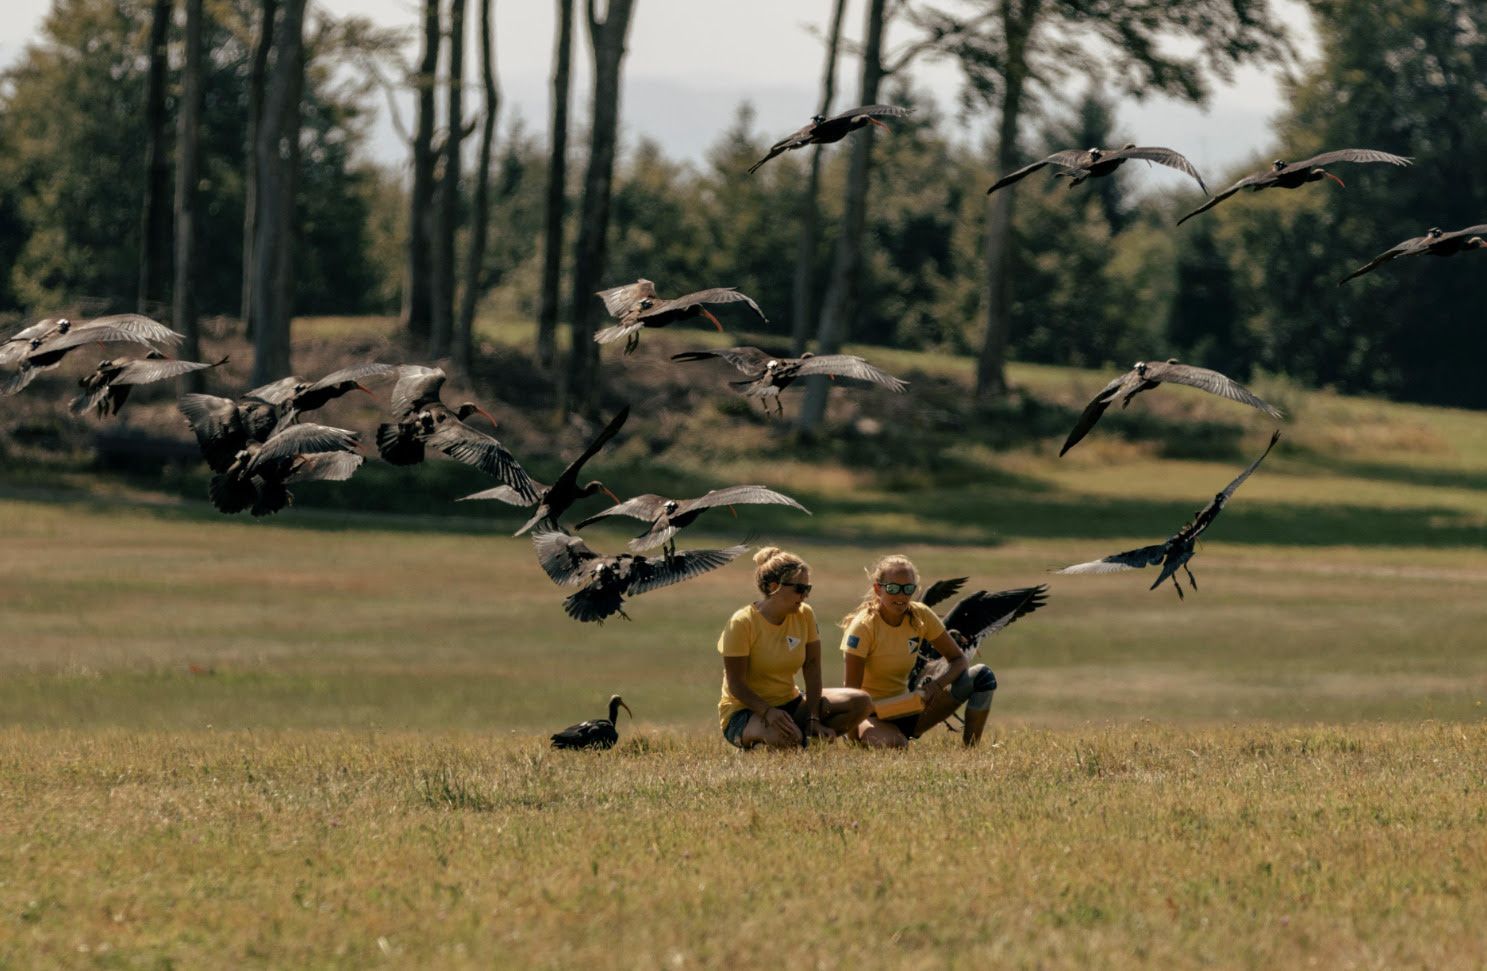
(1178, 587)
(632, 342)
(708, 314)
(1191, 579)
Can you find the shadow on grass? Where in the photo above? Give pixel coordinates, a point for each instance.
(1397, 474)
(985, 510)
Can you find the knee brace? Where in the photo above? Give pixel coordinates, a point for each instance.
(975, 687)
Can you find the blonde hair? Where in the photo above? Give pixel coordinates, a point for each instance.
(773, 565)
(888, 564)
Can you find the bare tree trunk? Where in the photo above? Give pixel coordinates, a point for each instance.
(803, 302)
(838, 307)
(991, 363)
(464, 344)
(188, 140)
(580, 390)
(447, 213)
(418, 265)
(557, 190)
(278, 132)
(256, 76)
(154, 244)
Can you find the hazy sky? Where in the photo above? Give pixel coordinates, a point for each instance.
(691, 62)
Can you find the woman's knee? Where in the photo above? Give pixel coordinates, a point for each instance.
(976, 685)
(876, 735)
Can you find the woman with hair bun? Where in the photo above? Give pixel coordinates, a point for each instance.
(764, 646)
(879, 646)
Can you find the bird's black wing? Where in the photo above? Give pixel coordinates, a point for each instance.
(562, 557)
(325, 467)
(147, 370)
(125, 328)
(646, 508)
(218, 427)
(1161, 156)
(711, 295)
(983, 614)
(744, 495)
(307, 439)
(1406, 248)
(651, 574)
(337, 383)
(942, 590)
(1118, 562)
(570, 474)
(1468, 231)
(1245, 182)
(1349, 155)
(276, 393)
(797, 138)
(848, 366)
(474, 447)
(1092, 411)
(1210, 512)
(1211, 381)
(1068, 159)
(749, 360)
(620, 300)
(417, 386)
(880, 111)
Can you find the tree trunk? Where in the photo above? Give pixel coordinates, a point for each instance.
(557, 190)
(991, 363)
(838, 307)
(277, 132)
(447, 213)
(803, 294)
(188, 140)
(464, 343)
(580, 391)
(256, 76)
(154, 244)
(418, 264)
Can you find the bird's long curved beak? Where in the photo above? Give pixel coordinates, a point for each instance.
(1334, 178)
(488, 416)
(734, 511)
(716, 323)
(873, 121)
(605, 490)
(628, 711)
(362, 387)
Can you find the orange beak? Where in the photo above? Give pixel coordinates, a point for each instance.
(605, 490)
(708, 314)
(874, 121)
(488, 416)
(1335, 179)
(360, 387)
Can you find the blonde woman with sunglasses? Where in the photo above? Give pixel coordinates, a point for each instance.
(765, 645)
(879, 646)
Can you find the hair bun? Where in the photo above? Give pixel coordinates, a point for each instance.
(763, 556)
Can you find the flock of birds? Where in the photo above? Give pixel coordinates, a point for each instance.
(258, 443)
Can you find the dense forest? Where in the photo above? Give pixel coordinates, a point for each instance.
(1086, 276)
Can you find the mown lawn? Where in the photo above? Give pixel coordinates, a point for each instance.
(319, 740)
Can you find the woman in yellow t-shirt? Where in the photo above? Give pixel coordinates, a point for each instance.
(764, 645)
(880, 645)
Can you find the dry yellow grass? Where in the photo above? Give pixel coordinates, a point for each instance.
(1124, 847)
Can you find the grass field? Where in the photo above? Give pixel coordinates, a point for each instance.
(319, 740)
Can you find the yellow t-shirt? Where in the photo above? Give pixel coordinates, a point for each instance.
(775, 652)
(888, 652)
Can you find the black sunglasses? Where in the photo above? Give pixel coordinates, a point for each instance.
(800, 588)
(899, 587)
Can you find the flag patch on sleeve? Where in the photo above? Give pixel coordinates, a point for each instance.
(853, 640)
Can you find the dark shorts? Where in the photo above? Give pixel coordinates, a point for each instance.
(733, 731)
(908, 724)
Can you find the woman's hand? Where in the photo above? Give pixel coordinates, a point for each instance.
(778, 720)
(929, 690)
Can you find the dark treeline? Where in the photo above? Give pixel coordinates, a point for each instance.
(1098, 274)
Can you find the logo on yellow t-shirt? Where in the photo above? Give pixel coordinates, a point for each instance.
(794, 642)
